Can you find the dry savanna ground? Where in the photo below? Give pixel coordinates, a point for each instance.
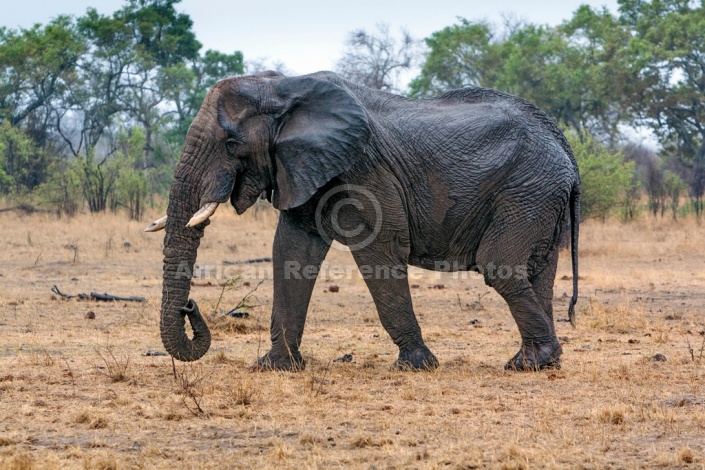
(77, 388)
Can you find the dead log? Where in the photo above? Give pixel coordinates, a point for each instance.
(249, 261)
(98, 297)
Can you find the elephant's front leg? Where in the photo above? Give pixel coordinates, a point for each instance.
(296, 259)
(389, 286)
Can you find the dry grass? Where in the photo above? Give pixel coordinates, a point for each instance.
(612, 405)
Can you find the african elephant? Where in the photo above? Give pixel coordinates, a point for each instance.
(473, 179)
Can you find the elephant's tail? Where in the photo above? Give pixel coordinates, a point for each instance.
(574, 229)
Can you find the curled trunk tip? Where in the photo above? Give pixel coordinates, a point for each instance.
(174, 337)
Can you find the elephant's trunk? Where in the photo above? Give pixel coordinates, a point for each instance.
(180, 248)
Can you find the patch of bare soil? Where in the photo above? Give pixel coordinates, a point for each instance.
(92, 391)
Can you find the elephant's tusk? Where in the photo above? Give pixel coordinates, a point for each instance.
(203, 214)
(157, 225)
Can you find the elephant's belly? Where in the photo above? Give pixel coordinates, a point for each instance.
(443, 264)
(449, 246)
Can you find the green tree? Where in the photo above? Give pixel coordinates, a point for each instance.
(71, 90)
(143, 69)
(459, 55)
(132, 191)
(162, 38)
(674, 187)
(23, 165)
(129, 51)
(668, 76)
(97, 179)
(540, 65)
(649, 168)
(132, 186)
(36, 67)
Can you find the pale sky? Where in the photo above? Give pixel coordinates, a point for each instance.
(308, 35)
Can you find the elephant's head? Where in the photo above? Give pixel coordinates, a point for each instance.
(286, 136)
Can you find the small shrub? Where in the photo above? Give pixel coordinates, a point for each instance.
(244, 392)
(115, 368)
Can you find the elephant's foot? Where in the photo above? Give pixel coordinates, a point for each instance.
(290, 361)
(416, 359)
(536, 356)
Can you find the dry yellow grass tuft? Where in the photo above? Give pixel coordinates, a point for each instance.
(87, 391)
(611, 415)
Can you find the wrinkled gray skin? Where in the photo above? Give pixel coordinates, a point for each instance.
(472, 180)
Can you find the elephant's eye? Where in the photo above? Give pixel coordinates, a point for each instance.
(231, 145)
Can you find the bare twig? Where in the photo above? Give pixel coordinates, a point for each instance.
(226, 285)
(460, 304)
(245, 301)
(74, 247)
(73, 378)
(690, 349)
(317, 383)
(190, 388)
(115, 368)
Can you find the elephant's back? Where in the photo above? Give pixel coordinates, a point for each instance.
(537, 121)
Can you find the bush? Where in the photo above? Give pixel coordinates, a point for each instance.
(62, 192)
(132, 190)
(23, 165)
(606, 177)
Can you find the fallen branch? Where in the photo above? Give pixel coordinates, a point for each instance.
(26, 208)
(109, 298)
(249, 261)
(98, 297)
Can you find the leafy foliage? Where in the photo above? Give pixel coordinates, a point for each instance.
(22, 162)
(459, 55)
(605, 177)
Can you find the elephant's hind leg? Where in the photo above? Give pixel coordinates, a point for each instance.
(539, 346)
(542, 283)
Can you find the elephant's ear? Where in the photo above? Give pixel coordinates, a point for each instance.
(323, 130)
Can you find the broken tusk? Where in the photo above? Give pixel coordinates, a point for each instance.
(203, 214)
(157, 225)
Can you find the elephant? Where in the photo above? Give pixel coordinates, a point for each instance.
(471, 180)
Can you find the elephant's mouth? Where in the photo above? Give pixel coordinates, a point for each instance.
(235, 194)
(245, 194)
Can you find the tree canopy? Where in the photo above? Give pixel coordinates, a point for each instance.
(71, 91)
(106, 100)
